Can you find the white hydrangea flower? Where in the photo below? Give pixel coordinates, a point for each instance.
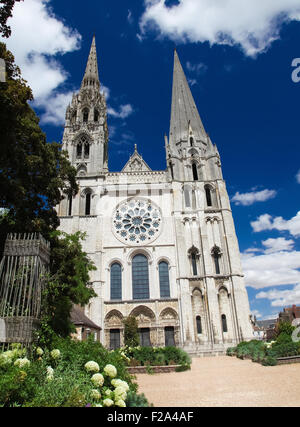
(97, 380)
(6, 358)
(120, 393)
(120, 383)
(120, 403)
(39, 351)
(108, 393)
(22, 363)
(95, 394)
(92, 366)
(110, 370)
(108, 402)
(50, 373)
(55, 354)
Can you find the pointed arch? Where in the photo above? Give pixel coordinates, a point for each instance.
(195, 171)
(216, 255)
(85, 115)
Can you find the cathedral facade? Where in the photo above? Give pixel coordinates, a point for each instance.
(163, 242)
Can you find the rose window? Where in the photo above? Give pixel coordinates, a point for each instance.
(137, 221)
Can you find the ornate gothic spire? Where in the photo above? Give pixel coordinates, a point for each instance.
(91, 76)
(184, 113)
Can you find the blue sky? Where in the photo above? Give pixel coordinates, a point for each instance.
(237, 56)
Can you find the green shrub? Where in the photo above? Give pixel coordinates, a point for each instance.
(159, 359)
(284, 328)
(269, 361)
(136, 400)
(131, 332)
(231, 351)
(182, 368)
(69, 384)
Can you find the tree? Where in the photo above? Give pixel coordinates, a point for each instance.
(5, 13)
(34, 175)
(131, 334)
(67, 284)
(284, 328)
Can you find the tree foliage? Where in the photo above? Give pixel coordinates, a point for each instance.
(67, 284)
(131, 334)
(5, 13)
(35, 175)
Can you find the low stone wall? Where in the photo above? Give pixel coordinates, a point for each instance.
(288, 360)
(154, 369)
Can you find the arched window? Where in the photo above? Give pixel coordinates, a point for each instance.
(193, 254)
(70, 199)
(171, 170)
(164, 282)
(85, 115)
(194, 264)
(224, 323)
(191, 141)
(140, 277)
(116, 281)
(208, 195)
(195, 172)
(96, 115)
(199, 325)
(216, 254)
(88, 203)
(74, 116)
(86, 150)
(187, 196)
(79, 150)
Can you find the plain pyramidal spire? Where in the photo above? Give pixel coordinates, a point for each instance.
(91, 75)
(184, 113)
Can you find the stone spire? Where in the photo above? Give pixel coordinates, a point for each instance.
(91, 76)
(184, 113)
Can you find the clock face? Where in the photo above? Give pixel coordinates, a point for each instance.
(137, 221)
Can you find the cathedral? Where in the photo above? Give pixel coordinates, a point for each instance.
(163, 242)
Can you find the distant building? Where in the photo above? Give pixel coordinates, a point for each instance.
(291, 315)
(84, 326)
(264, 329)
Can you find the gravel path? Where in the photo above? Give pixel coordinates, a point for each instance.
(224, 381)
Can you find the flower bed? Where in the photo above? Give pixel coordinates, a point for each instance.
(153, 369)
(72, 374)
(268, 354)
(163, 357)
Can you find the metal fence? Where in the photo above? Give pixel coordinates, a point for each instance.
(23, 274)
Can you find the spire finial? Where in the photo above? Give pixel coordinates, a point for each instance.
(91, 75)
(184, 112)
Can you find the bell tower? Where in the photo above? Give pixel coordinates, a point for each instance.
(86, 132)
(191, 155)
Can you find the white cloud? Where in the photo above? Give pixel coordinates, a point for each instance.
(198, 69)
(253, 25)
(277, 245)
(38, 38)
(56, 108)
(266, 222)
(298, 177)
(124, 111)
(130, 17)
(192, 82)
(256, 313)
(271, 269)
(247, 199)
(281, 298)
